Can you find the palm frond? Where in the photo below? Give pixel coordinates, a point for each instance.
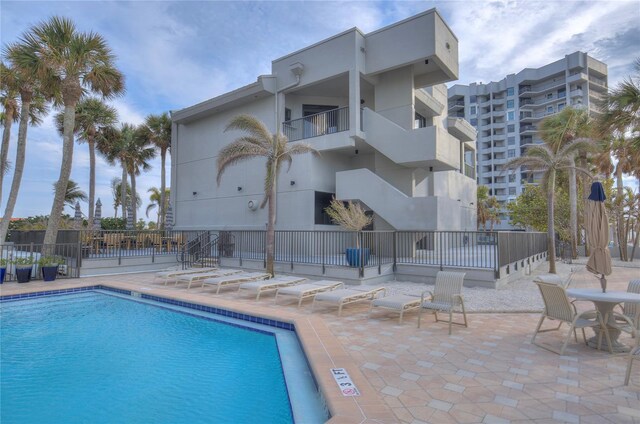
(253, 126)
(237, 152)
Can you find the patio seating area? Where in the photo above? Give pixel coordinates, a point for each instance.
(488, 372)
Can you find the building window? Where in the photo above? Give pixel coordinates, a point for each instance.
(287, 114)
(510, 104)
(511, 140)
(473, 110)
(420, 121)
(511, 128)
(511, 115)
(472, 99)
(512, 191)
(510, 91)
(512, 178)
(550, 96)
(562, 93)
(322, 201)
(474, 122)
(511, 153)
(560, 106)
(549, 109)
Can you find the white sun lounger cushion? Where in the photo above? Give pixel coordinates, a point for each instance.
(234, 279)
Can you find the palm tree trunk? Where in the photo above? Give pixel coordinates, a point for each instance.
(65, 171)
(622, 245)
(123, 191)
(92, 178)
(18, 166)
(573, 210)
(4, 151)
(134, 197)
(271, 227)
(162, 212)
(551, 233)
(635, 240)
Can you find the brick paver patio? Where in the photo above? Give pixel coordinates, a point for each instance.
(487, 373)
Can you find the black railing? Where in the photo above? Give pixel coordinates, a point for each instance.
(366, 249)
(322, 123)
(64, 256)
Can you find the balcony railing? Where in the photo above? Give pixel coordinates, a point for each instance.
(524, 128)
(322, 123)
(469, 171)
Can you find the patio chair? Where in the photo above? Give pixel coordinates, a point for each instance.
(307, 290)
(446, 297)
(232, 280)
(344, 297)
(399, 303)
(214, 273)
(629, 320)
(173, 273)
(557, 307)
(634, 354)
(264, 286)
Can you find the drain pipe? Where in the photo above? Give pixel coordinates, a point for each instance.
(297, 69)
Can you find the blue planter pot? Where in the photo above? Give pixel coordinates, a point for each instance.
(3, 272)
(23, 275)
(49, 273)
(354, 255)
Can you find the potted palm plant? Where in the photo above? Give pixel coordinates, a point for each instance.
(24, 266)
(3, 269)
(352, 217)
(49, 267)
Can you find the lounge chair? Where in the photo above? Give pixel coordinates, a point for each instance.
(232, 280)
(343, 297)
(446, 297)
(399, 303)
(273, 284)
(215, 273)
(172, 273)
(557, 307)
(306, 290)
(634, 354)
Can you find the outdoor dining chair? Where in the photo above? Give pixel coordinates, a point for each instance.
(634, 354)
(446, 297)
(557, 307)
(629, 320)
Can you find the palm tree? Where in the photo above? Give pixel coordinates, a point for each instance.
(10, 109)
(488, 208)
(93, 119)
(28, 86)
(116, 185)
(73, 193)
(545, 159)
(69, 64)
(157, 129)
(156, 199)
(113, 147)
(558, 130)
(260, 142)
(138, 153)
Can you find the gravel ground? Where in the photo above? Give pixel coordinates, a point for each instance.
(521, 295)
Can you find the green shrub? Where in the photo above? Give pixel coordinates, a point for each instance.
(22, 261)
(50, 261)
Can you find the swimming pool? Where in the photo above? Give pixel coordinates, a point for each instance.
(101, 357)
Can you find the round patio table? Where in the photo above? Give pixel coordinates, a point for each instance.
(605, 302)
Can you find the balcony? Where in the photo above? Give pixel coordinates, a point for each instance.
(528, 89)
(525, 129)
(332, 121)
(458, 104)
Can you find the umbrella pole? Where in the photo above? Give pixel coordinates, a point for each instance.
(603, 283)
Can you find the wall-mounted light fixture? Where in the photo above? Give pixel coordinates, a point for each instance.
(471, 203)
(431, 169)
(426, 62)
(239, 188)
(356, 151)
(195, 192)
(292, 183)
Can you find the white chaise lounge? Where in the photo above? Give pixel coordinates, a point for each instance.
(171, 274)
(191, 278)
(343, 297)
(307, 290)
(272, 285)
(235, 279)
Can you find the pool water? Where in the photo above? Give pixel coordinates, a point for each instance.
(101, 358)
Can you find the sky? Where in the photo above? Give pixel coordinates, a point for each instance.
(176, 54)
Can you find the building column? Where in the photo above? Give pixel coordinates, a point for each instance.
(354, 101)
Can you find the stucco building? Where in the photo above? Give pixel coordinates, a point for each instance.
(507, 114)
(374, 105)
